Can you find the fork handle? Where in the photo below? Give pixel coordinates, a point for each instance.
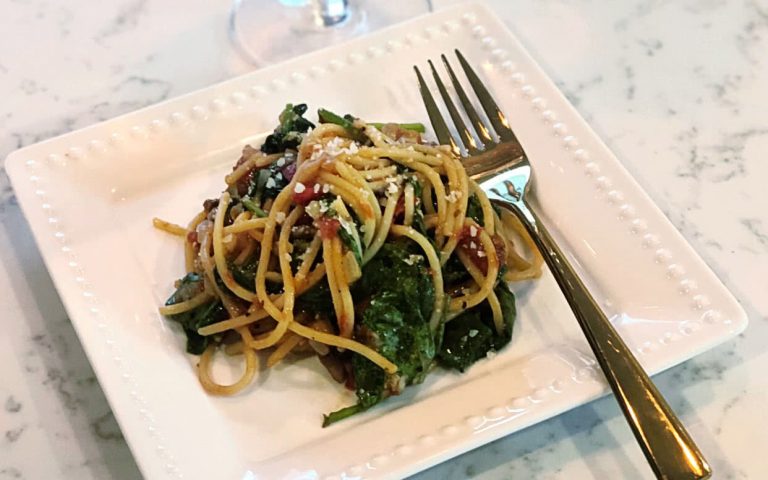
(669, 449)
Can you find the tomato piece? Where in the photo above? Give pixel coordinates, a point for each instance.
(473, 247)
(310, 191)
(329, 227)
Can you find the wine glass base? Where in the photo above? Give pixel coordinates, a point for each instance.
(270, 31)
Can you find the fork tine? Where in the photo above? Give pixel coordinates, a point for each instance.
(495, 115)
(480, 128)
(436, 119)
(458, 122)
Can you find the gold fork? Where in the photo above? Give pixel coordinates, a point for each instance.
(502, 169)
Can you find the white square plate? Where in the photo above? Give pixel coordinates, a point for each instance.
(90, 195)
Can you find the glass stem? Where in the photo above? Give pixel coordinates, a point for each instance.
(329, 13)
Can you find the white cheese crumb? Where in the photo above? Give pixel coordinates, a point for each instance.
(473, 333)
(472, 231)
(472, 245)
(280, 217)
(271, 182)
(299, 187)
(326, 188)
(316, 188)
(281, 161)
(352, 148)
(317, 151)
(392, 188)
(490, 354)
(480, 253)
(455, 195)
(333, 148)
(412, 259)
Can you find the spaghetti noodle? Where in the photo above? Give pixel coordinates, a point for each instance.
(358, 243)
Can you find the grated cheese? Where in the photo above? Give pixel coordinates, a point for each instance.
(455, 195)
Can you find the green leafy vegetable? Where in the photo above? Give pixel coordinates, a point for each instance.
(291, 130)
(245, 274)
(349, 235)
(399, 334)
(416, 127)
(475, 210)
(205, 314)
(399, 267)
(327, 116)
(349, 231)
(268, 183)
(251, 206)
(347, 122)
(400, 298)
(470, 336)
(317, 300)
(341, 414)
(454, 272)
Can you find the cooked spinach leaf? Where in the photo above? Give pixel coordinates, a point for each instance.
(251, 206)
(400, 297)
(399, 267)
(245, 273)
(268, 183)
(474, 210)
(290, 132)
(348, 233)
(341, 414)
(317, 300)
(470, 336)
(416, 127)
(454, 272)
(400, 334)
(200, 316)
(347, 122)
(188, 287)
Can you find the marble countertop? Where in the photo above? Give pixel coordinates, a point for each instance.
(676, 89)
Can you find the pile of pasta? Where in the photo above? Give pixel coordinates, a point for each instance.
(376, 185)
